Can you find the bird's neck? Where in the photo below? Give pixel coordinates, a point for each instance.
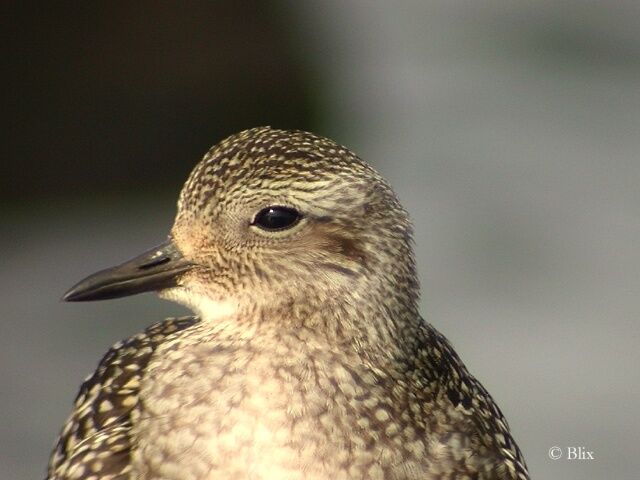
(379, 325)
(376, 330)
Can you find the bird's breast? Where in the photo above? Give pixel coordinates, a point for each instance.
(237, 411)
(243, 410)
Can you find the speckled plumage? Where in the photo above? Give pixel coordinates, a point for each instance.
(310, 360)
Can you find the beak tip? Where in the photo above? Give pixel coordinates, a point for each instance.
(70, 296)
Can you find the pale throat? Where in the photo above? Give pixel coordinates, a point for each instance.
(207, 308)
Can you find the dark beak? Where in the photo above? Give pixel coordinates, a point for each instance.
(156, 269)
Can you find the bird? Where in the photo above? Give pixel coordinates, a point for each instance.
(306, 356)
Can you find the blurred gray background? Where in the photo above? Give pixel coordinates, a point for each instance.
(510, 130)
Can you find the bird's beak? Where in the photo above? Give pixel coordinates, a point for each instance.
(156, 269)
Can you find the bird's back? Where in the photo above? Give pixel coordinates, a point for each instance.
(472, 411)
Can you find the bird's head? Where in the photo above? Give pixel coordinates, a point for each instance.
(275, 219)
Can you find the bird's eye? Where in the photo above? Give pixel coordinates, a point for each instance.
(276, 218)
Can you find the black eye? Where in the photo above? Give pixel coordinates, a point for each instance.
(276, 218)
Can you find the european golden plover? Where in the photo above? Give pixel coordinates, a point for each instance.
(307, 359)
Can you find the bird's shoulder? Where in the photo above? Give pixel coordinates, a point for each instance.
(94, 441)
(469, 397)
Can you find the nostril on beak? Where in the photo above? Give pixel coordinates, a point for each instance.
(154, 263)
